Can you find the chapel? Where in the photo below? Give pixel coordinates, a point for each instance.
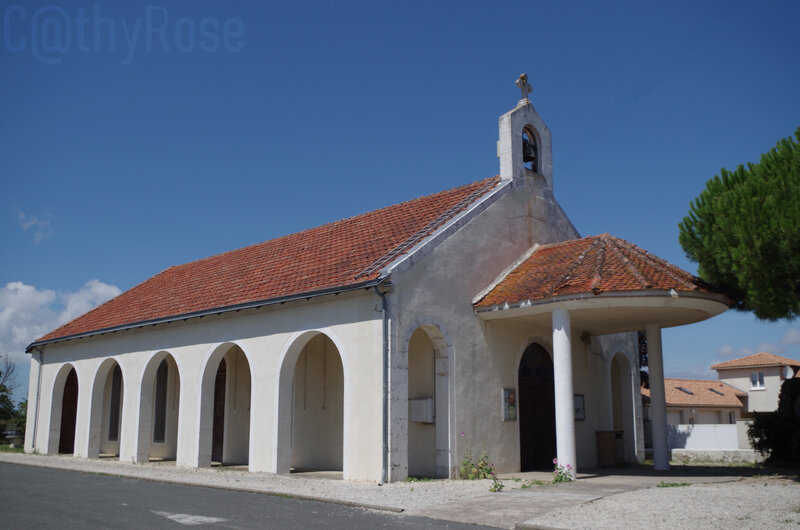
(384, 345)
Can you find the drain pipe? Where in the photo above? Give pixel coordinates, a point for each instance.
(385, 311)
(38, 399)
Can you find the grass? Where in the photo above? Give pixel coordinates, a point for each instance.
(9, 449)
(419, 479)
(672, 484)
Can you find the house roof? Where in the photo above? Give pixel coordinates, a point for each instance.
(757, 359)
(594, 264)
(699, 393)
(350, 252)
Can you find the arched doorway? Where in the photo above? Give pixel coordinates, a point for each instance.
(310, 420)
(106, 410)
(69, 414)
(622, 407)
(225, 414)
(159, 408)
(428, 404)
(537, 416)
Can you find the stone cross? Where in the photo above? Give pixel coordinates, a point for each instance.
(523, 85)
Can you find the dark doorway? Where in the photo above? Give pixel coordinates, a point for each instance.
(537, 415)
(69, 414)
(218, 436)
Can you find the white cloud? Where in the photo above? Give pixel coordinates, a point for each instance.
(42, 225)
(726, 351)
(769, 348)
(27, 313)
(792, 336)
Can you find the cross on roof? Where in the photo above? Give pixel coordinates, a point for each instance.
(524, 86)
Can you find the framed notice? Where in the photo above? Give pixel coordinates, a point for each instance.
(509, 404)
(580, 407)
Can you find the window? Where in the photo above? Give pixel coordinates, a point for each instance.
(116, 394)
(160, 426)
(756, 380)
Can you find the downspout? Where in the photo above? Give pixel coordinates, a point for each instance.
(38, 393)
(385, 311)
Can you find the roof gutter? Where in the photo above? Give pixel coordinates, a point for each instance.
(213, 311)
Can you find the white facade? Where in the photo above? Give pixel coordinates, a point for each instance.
(303, 385)
(762, 384)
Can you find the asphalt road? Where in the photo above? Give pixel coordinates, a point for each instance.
(32, 497)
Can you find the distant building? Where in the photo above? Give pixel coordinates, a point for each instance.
(759, 375)
(699, 401)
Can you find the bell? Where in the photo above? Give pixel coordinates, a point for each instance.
(529, 151)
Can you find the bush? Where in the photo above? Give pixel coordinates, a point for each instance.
(776, 435)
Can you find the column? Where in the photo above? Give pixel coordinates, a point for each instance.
(562, 374)
(658, 404)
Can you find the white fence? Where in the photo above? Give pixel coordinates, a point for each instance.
(707, 436)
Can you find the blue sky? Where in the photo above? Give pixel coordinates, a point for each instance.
(233, 123)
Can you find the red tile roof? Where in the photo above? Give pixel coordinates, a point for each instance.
(335, 255)
(757, 359)
(594, 264)
(701, 393)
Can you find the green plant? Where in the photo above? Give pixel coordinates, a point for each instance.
(470, 469)
(776, 435)
(561, 473)
(418, 479)
(9, 449)
(672, 484)
(497, 485)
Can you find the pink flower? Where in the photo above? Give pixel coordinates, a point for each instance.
(555, 460)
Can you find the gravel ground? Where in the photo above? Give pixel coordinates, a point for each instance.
(766, 502)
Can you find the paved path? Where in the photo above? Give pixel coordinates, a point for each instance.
(35, 497)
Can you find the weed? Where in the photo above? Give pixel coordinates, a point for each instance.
(672, 484)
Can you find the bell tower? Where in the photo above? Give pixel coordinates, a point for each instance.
(525, 148)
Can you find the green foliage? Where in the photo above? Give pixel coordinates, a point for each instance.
(743, 231)
(497, 485)
(672, 484)
(561, 473)
(776, 435)
(473, 470)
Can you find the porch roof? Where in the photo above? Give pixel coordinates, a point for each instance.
(608, 284)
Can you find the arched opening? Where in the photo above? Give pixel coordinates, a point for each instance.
(225, 414)
(159, 408)
(537, 414)
(428, 404)
(622, 407)
(530, 149)
(310, 422)
(69, 414)
(105, 420)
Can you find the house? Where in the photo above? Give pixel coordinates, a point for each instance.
(382, 345)
(699, 402)
(759, 375)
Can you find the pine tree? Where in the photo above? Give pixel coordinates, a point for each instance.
(743, 231)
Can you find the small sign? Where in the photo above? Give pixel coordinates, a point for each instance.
(509, 404)
(580, 408)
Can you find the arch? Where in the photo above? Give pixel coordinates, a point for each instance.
(63, 411)
(530, 148)
(159, 408)
(285, 427)
(622, 411)
(429, 389)
(537, 424)
(106, 406)
(225, 412)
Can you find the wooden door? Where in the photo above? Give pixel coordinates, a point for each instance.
(218, 435)
(537, 416)
(69, 414)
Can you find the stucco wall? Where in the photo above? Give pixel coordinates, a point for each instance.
(758, 400)
(264, 336)
(436, 287)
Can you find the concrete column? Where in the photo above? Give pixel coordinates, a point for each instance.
(658, 404)
(562, 375)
